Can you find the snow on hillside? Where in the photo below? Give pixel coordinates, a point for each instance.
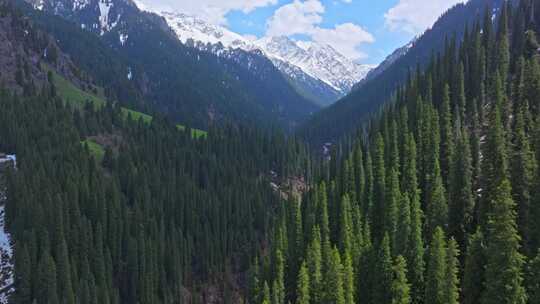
(6, 255)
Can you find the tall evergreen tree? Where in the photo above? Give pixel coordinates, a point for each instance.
(452, 273)
(436, 288)
(400, 285)
(303, 292)
(504, 278)
(473, 277)
(383, 273)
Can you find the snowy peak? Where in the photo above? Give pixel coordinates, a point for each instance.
(318, 61)
(189, 27)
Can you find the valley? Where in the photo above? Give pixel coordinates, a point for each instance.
(158, 157)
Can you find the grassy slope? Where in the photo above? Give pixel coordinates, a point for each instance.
(72, 94)
(95, 149)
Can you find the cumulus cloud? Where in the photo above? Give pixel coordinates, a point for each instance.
(415, 16)
(305, 17)
(345, 38)
(211, 10)
(298, 17)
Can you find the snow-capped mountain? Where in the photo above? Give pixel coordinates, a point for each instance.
(317, 71)
(318, 60)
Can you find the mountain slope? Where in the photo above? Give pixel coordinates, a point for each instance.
(317, 71)
(191, 85)
(346, 115)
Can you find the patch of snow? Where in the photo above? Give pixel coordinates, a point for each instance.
(123, 38)
(104, 9)
(39, 5)
(80, 4)
(6, 257)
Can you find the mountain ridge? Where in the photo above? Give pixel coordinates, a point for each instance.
(336, 73)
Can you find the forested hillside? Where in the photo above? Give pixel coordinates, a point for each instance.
(434, 201)
(348, 114)
(438, 203)
(140, 62)
(163, 218)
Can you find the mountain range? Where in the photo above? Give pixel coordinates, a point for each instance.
(318, 70)
(138, 59)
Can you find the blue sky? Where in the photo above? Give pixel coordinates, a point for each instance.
(364, 30)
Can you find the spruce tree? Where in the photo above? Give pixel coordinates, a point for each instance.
(533, 280)
(452, 273)
(382, 275)
(23, 273)
(266, 298)
(473, 276)
(495, 164)
(314, 263)
(523, 172)
(333, 283)
(436, 270)
(461, 209)
(400, 286)
(437, 205)
(349, 284)
(415, 253)
(504, 278)
(303, 292)
(379, 189)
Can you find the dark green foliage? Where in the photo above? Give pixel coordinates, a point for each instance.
(504, 279)
(436, 287)
(400, 286)
(473, 276)
(168, 213)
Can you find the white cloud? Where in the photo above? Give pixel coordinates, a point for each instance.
(211, 10)
(298, 17)
(345, 38)
(304, 17)
(415, 16)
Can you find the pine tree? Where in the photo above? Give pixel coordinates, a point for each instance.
(278, 286)
(379, 189)
(504, 279)
(254, 282)
(447, 136)
(452, 273)
(266, 299)
(437, 206)
(403, 234)
(495, 161)
(400, 286)
(533, 280)
(65, 289)
(23, 272)
(392, 201)
(473, 276)
(303, 290)
(47, 285)
(461, 207)
(436, 270)
(522, 177)
(348, 280)
(415, 253)
(314, 262)
(346, 222)
(333, 284)
(383, 273)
